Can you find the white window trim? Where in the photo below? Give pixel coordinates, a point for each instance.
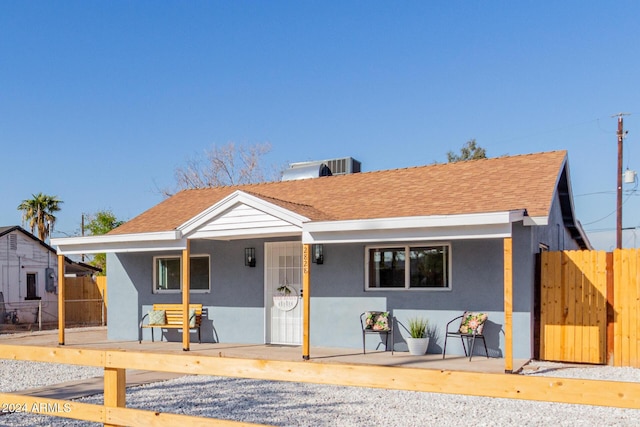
(407, 272)
(177, 291)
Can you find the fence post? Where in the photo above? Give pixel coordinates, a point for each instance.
(610, 352)
(115, 387)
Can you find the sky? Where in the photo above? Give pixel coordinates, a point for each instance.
(101, 101)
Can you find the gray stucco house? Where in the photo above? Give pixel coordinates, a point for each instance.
(425, 241)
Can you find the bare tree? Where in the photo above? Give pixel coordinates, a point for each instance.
(230, 164)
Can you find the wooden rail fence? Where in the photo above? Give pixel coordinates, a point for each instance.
(115, 362)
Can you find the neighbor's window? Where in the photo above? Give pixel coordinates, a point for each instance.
(168, 277)
(408, 267)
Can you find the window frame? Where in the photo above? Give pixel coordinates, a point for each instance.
(34, 296)
(408, 247)
(154, 284)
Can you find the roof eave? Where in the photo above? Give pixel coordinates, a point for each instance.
(435, 227)
(140, 242)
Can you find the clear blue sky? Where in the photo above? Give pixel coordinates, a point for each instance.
(100, 101)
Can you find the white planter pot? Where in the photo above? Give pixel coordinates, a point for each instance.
(417, 346)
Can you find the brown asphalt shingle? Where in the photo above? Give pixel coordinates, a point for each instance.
(477, 186)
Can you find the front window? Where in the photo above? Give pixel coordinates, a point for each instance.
(408, 267)
(168, 274)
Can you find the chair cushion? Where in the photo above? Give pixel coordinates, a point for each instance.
(472, 321)
(157, 317)
(377, 321)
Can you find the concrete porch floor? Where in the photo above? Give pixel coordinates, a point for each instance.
(96, 338)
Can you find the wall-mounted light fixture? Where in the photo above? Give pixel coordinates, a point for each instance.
(250, 257)
(318, 254)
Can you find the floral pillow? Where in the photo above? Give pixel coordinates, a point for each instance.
(157, 317)
(377, 320)
(472, 321)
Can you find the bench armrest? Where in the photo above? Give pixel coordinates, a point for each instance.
(142, 320)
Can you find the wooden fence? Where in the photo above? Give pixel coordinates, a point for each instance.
(590, 307)
(84, 300)
(626, 304)
(113, 411)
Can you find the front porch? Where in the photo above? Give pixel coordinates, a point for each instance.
(96, 339)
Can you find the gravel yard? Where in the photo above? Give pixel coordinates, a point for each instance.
(293, 404)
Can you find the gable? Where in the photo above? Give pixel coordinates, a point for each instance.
(241, 221)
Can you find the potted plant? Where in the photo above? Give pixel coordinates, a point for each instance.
(418, 341)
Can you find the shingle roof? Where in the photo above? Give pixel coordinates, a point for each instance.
(478, 186)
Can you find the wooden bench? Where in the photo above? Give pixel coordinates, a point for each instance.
(172, 318)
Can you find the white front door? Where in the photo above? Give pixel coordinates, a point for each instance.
(283, 286)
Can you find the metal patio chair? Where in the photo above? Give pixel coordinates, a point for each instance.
(470, 327)
(377, 322)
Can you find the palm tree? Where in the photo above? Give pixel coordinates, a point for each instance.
(39, 212)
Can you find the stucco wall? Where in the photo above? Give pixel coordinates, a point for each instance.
(555, 235)
(235, 306)
(339, 297)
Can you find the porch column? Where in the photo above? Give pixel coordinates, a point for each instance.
(306, 299)
(61, 297)
(508, 305)
(186, 280)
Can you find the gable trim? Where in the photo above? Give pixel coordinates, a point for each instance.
(192, 226)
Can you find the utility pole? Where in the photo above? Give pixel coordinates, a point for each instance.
(620, 134)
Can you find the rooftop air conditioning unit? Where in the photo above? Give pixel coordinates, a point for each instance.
(306, 170)
(343, 166)
(303, 170)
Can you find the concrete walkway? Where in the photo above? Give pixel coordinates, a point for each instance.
(91, 386)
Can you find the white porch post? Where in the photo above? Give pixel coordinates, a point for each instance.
(186, 279)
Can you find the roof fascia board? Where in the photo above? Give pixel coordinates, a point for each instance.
(240, 197)
(400, 223)
(166, 240)
(485, 231)
(536, 220)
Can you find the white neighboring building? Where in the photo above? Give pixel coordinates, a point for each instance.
(28, 277)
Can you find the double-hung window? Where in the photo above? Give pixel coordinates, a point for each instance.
(408, 267)
(167, 274)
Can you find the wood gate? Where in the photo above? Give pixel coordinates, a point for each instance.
(573, 306)
(590, 307)
(84, 300)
